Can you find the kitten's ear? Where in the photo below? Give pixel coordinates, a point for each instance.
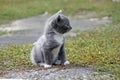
(59, 18)
(59, 12)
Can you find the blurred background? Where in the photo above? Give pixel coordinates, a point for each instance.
(16, 9)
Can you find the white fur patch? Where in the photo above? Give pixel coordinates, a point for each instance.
(66, 63)
(47, 66)
(44, 65)
(60, 39)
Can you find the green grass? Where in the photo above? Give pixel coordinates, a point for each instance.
(16, 9)
(99, 48)
(2, 32)
(15, 56)
(8, 32)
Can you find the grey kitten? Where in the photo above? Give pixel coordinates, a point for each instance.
(49, 49)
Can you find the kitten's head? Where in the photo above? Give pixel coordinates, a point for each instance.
(61, 23)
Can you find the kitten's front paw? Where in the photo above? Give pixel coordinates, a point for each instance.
(66, 62)
(47, 66)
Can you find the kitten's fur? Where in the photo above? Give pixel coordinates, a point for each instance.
(49, 48)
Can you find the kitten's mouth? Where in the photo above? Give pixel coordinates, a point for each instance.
(69, 28)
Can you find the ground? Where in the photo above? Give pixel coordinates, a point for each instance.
(29, 30)
(73, 73)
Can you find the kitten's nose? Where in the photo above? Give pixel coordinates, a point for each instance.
(70, 27)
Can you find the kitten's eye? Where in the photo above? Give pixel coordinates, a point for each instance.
(59, 19)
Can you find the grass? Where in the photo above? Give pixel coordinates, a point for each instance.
(3, 32)
(16, 9)
(15, 56)
(9, 32)
(99, 48)
(6, 32)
